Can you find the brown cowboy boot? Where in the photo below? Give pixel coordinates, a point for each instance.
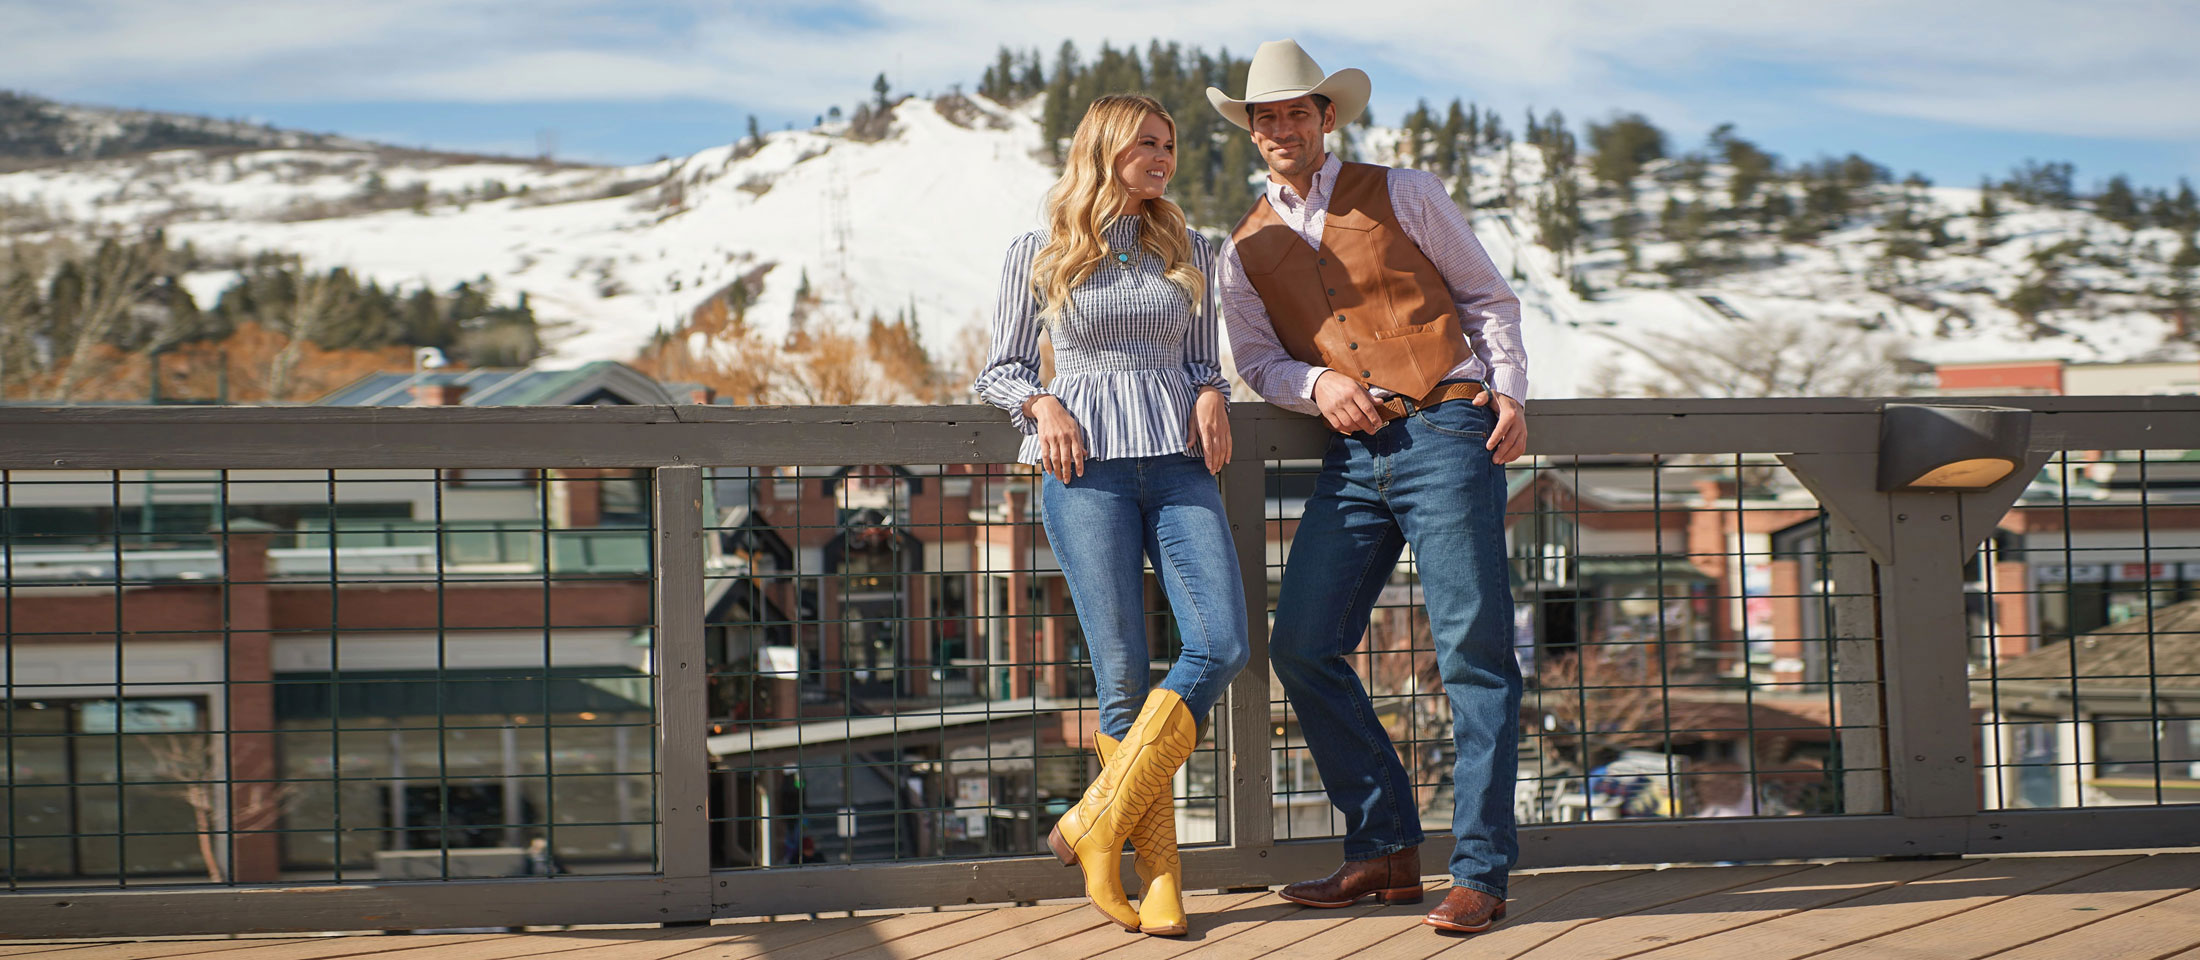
(1395, 878)
(1091, 834)
(1466, 910)
(1160, 872)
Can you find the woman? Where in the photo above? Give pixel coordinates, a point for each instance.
(1129, 436)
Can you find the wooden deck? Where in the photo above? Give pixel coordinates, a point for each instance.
(2109, 907)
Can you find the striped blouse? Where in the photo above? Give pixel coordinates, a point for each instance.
(1131, 351)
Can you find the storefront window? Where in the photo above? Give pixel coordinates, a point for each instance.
(479, 781)
(101, 787)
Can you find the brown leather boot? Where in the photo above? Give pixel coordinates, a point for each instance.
(1466, 910)
(1393, 879)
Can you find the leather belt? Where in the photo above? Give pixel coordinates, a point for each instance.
(1395, 406)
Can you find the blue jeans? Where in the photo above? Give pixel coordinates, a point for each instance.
(1423, 479)
(1102, 525)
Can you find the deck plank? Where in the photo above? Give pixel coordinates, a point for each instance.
(1313, 933)
(1031, 935)
(2042, 913)
(195, 947)
(1679, 921)
(983, 923)
(1246, 918)
(2144, 933)
(865, 937)
(1344, 931)
(1969, 887)
(1410, 939)
(1205, 914)
(317, 948)
(756, 938)
(1645, 890)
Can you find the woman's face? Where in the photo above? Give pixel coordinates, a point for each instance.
(1144, 167)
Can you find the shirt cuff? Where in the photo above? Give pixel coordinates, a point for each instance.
(1020, 394)
(1313, 373)
(1510, 381)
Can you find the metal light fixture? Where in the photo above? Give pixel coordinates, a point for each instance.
(1924, 447)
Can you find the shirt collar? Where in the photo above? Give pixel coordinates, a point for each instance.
(1324, 180)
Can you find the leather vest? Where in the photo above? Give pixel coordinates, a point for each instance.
(1366, 303)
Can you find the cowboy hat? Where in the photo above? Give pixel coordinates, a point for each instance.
(1281, 71)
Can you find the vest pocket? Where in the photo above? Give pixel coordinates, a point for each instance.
(1429, 349)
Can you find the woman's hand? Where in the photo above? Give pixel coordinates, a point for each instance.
(1061, 442)
(1211, 424)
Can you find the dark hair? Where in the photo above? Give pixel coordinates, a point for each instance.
(1321, 106)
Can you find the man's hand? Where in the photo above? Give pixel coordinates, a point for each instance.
(1211, 425)
(1061, 443)
(1346, 404)
(1509, 439)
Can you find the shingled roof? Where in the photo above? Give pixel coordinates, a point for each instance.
(2153, 654)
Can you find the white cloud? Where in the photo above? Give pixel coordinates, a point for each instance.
(2113, 68)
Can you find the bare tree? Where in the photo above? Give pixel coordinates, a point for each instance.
(197, 764)
(1756, 357)
(118, 278)
(321, 299)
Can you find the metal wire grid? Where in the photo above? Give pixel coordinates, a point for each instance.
(159, 727)
(2085, 636)
(1666, 675)
(897, 671)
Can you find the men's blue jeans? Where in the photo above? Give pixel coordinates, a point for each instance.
(1103, 526)
(1423, 479)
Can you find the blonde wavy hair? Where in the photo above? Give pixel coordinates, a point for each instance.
(1089, 198)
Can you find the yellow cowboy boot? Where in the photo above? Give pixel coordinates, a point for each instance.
(1091, 834)
(1160, 873)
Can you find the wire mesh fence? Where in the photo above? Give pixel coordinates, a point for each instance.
(898, 673)
(251, 676)
(2084, 612)
(1675, 624)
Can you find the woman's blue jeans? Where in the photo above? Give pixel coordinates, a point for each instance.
(1104, 525)
(1423, 479)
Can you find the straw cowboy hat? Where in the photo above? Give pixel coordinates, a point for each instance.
(1282, 71)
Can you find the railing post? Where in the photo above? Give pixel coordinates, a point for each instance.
(1251, 822)
(1854, 638)
(1926, 651)
(683, 780)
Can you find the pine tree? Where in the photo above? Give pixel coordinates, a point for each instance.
(2117, 204)
(1622, 147)
(756, 134)
(1984, 215)
(2185, 210)
(1448, 141)
(881, 90)
(1056, 119)
(1034, 78)
(1623, 233)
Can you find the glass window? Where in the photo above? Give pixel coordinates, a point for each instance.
(2142, 748)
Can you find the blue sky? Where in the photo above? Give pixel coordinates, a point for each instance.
(1952, 89)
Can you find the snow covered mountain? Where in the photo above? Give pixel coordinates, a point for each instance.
(915, 221)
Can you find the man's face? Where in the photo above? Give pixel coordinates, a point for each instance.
(1289, 134)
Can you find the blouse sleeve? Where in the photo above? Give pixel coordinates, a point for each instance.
(1011, 373)
(1202, 346)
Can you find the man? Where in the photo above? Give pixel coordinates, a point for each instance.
(1359, 293)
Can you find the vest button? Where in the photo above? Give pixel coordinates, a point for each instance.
(1355, 346)
(1364, 374)
(1340, 318)
(1322, 262)
(1332, 291)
